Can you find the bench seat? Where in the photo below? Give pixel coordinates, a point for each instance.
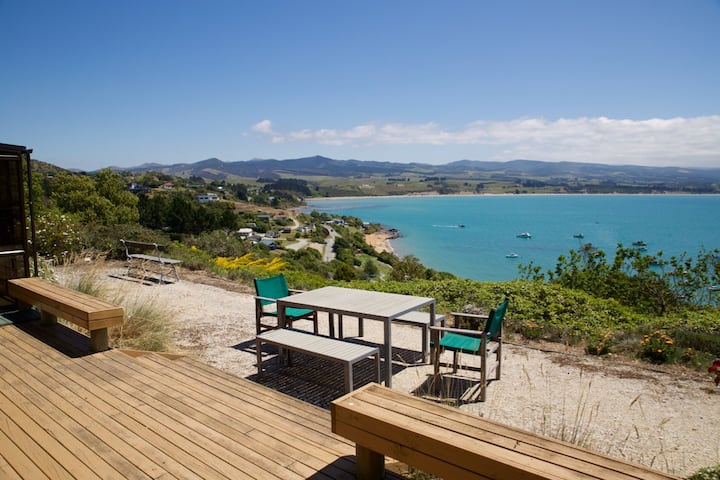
(447, 442)
(324, 347)
(422, 320)
(86, 311)
(415, 318)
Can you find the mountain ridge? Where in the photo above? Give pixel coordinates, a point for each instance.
(216, 169)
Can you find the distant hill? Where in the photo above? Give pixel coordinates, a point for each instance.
(216, 169)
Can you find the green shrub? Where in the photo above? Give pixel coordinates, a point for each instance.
(707, 473)
(57, 235)
(657, 347)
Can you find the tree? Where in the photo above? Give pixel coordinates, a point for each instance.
(343, 271)
(370, 268)
(102, 200)
(408, 268)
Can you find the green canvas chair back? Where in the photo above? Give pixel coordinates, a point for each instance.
(458, 342)
(495, 319)
(273, 287)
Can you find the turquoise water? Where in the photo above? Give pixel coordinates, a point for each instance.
(430, 227)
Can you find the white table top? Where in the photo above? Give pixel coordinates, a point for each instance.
(358, 303)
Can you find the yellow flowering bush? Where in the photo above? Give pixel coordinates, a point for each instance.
(531, 330)
(657, 347)
(250, 261)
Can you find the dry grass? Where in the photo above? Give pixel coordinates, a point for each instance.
(146, 325)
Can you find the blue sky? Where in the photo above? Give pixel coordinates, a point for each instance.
(93, 83)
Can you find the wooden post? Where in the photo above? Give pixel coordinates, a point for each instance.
(47, 318)
(369, 465)
(99, 340)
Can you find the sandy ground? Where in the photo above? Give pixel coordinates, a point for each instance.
(665, 418)
(380, 241)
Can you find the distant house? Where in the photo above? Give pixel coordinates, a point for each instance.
(134, 187)
(207, 197)
(245, 232)
(167, 186)
(269, 242)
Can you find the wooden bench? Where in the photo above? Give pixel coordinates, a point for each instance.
(452, 444)
(138, 257)
(54, 301)
(328, 348)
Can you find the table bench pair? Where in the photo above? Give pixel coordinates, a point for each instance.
(86, 311)
(452, 444)
(148, 257)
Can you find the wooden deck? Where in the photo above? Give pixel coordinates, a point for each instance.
(117, 415)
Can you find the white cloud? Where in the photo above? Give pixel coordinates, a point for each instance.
(264, 126)
(657, 141)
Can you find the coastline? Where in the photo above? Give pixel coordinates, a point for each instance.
(380, 240)
(470, 194)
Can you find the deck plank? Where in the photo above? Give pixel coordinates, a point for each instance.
(182, 415)
(207, 404)
(80, 414)
(112, 415)
(15, 460)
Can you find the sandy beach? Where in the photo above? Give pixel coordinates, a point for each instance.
(380, 240)
(667, 418)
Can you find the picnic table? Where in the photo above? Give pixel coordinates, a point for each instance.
(366, 304)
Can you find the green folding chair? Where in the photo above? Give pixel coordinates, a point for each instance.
(267, 291)
(486, 343)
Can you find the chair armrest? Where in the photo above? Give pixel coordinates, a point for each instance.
(461, 331)
(469, 315)
(267, 299)
(294, 291)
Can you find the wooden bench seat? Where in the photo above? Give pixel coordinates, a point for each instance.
(154, 263)
(452, 444)
(54, 301)
(328, 348)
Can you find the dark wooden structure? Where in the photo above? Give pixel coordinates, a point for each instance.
(17, 238)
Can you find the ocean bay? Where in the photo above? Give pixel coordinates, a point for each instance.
(471, 236)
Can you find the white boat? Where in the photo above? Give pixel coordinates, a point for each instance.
(512, 255)
(524, 235)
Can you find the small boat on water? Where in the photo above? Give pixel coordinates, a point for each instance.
(639, 243)
(512, 255)
(462, 225)
(524, 235)
(578, 235)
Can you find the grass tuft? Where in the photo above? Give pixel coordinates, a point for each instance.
(146, 325)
